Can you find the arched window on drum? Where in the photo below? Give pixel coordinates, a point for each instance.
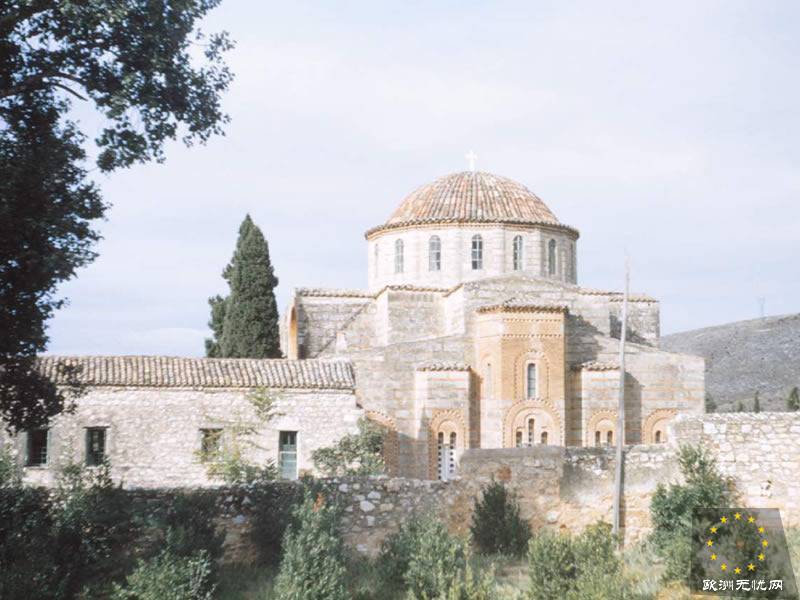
(477, 252)
(398, 256)
(517, 253)
(435, 253)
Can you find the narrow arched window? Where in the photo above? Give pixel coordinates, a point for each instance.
(551, 257)
(398, 256)
(434, 254)
(487, 392)
(451, 463)
(530, 381)
(519, 438)
(658, 437)
(596, 438)
(376, 260)
(441, 456)
(517, 252)
(531, 427)
(477, 252)
(609, 438)
(544, 438)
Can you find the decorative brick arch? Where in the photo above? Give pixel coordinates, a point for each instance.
(603, 420)
(521, 362)
(654, 428)
(446, 421)
(390, 441)
(520, 411)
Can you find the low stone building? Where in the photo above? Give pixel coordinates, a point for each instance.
(161, 421)
(472, 333)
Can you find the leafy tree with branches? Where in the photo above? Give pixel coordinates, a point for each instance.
(355, 453)
(133, 61)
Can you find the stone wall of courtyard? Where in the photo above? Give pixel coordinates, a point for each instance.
(565, 488)
(559, 488)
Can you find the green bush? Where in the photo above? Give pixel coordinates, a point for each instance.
(496, 524)
(397, 550)
(312, 566)
(189, 526)
(551, 559)
(422, 557)
(464, 586)
(583, 567)
(169, 577)
(74, 541)
(273, 511)
(673, 505)
(354, 454)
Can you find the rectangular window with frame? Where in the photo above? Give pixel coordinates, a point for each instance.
(37, 447)
(95, 445)
(210, 444)
(287, 454)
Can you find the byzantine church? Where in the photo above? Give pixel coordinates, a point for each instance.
(472, 333)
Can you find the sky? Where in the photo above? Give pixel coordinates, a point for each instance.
(667, 131)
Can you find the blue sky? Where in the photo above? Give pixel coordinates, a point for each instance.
(667, 129)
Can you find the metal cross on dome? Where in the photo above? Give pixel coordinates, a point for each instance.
(471, 157)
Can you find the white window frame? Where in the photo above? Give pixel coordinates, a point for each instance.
(477, 252)
(517, 253)
(535, 393)
(399, 260)
(434, 253)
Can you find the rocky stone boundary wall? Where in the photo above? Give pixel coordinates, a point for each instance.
(561, 488)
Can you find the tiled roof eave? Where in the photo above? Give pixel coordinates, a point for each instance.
(192, 373)
(370, 233)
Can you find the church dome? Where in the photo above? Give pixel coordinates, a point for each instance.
(471, 197)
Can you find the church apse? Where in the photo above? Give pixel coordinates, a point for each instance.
(520, 356)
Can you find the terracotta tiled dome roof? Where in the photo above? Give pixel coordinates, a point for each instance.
(469, 197)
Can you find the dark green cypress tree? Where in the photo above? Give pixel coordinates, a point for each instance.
(756, 404)
(793, 402)
(245, 324)
(213, 348)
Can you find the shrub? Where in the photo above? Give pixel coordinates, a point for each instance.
(92, 529)
(189, 526)
(10, 473)
(169, 577)
(397, 550)
(496, 524)
(422, 557)
(436, 562)
(464, 586)
(584, 567)
(312, 566)
(552, 565)
(28, 564)
(273, 511)
(354, 454)
(672, 507)
(75, 541)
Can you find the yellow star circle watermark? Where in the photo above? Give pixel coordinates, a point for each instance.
(719, 528)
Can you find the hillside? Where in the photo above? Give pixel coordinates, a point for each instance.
(742, 357)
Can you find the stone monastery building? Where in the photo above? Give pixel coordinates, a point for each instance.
(473, 333)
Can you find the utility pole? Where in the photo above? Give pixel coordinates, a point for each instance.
(621, 404)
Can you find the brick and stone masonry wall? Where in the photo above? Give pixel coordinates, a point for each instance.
(561, 488)
(570, 488)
